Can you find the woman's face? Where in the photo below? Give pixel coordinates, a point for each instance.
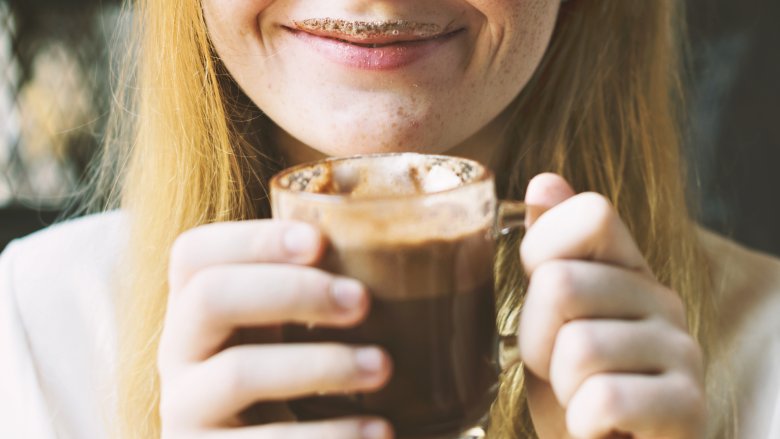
(357, 76)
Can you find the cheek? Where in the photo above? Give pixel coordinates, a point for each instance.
(536, 24)
(511, 42)
(516, 28)
(233, 26)
(528, 27)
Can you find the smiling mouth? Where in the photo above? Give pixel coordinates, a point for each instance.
(372, 34)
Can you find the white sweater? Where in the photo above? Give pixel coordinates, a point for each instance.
(58, 331)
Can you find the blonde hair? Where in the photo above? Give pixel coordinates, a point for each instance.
(602, 110)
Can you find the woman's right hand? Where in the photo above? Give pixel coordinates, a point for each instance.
(259, 274)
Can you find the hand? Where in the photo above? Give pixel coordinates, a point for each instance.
(259, 274)
(605, 345)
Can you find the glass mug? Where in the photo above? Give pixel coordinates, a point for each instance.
(419, 231)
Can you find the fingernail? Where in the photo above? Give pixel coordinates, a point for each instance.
(374, 430)
(300, 239)
(369, 360)
(347, 293)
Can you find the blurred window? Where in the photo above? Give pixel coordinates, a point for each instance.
(54, 72)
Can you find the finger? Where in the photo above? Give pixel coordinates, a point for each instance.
(585, 226)
(351, 428)
(216, 390)
(586, 348)
(564, 291)
(243, 242)
(543, 403)
(544, 192)
(218, 300)
(669, 405)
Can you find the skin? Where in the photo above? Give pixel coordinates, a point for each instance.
(605, 345)
(436, 105)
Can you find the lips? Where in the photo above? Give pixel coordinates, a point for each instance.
(372, 45)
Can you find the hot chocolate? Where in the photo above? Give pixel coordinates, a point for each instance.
(417, 231)
(433, 310)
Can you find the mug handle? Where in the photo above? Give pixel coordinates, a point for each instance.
(510, 216)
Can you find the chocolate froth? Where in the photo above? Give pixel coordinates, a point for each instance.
(369, 29)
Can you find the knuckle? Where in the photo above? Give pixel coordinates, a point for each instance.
(528, 250)
(200, 293)
(596, 203)
(315, 280)
(691, 395)
(203, 280)
(171, 406)
(229, 372)
(163, 353)
(595, 408)
(164, 362)
(293, 299)
(580, 345)
(343, 364)
(266, 240)
(688, 351)
(168, 404)
(605, 396)
(183, 246)
(676, 309)
(600, 211)
(556, 279)
(332, 363)
(692, 389)
(310, 292)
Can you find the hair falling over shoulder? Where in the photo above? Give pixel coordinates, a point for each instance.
(603, 110)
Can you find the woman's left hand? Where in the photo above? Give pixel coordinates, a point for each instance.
(605, 345)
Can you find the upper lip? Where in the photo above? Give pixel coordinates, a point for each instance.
(375, 32)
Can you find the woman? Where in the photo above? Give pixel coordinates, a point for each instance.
(631, 315)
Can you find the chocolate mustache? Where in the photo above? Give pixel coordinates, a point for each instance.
(370, 29)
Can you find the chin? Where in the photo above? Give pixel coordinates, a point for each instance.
(387, 136)
(364, 143)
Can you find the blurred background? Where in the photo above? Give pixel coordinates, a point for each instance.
(55, 68)
(54, 99)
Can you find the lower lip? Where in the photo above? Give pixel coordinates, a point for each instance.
(388, 57)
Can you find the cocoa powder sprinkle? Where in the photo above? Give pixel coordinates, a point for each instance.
(370, 29)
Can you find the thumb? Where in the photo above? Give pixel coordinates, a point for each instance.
(544, 192)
